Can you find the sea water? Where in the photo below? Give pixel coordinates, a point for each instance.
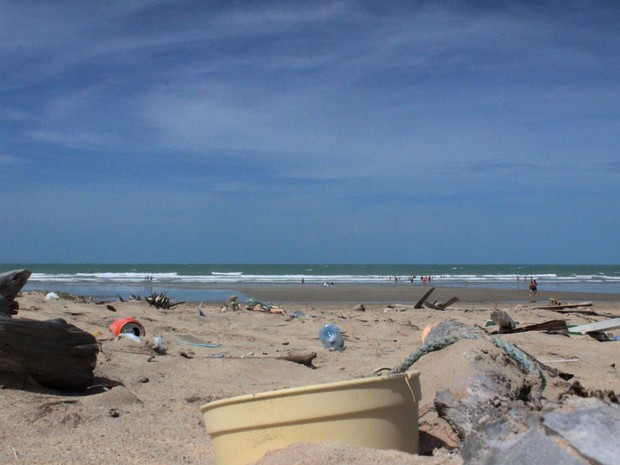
(216, 282)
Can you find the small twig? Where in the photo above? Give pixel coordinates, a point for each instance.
(59, 402)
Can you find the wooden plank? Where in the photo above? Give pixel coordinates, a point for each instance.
(560, 305)
(434, 306)
(553, 325)
(448, 303)
(423, 299)
(598, 326)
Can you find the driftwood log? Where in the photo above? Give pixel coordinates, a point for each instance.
(53, 353)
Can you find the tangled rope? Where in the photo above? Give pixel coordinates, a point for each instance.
(526, 362)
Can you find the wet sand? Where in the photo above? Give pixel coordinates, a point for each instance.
(405, 294)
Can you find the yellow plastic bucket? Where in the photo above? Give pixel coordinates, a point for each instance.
(378, 412)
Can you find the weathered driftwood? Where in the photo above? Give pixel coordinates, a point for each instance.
(11, 282)
(302, 359)
(424, 297)
(54, 353)
(556, 326)
(555, 305)
(441, 305)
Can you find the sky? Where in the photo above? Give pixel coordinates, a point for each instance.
(414, 132)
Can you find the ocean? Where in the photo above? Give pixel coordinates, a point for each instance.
(216, 282)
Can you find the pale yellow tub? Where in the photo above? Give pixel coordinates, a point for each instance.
(378, 412)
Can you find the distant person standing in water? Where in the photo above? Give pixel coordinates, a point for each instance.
(533, 286)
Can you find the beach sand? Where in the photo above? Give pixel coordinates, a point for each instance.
(146, 409)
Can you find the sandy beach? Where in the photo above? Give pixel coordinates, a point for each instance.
(146, 409)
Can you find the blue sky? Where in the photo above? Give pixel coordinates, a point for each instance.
(310, 132)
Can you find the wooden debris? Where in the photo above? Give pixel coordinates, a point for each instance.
(439, 305)
(161, 301)
(423, 299)
(555, 305)
(303, 359)
(54, 353)
(552, 325)
(11, 283)
(595, 327)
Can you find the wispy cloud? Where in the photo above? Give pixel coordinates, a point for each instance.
(345, 105)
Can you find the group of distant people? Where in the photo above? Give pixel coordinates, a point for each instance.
(411, 279)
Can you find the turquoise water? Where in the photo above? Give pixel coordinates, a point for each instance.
(188, 280)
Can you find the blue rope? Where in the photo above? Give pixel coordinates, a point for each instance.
(528, 364)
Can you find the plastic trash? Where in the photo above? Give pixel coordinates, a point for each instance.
(331, 337)
(130, 336)
(159, 345)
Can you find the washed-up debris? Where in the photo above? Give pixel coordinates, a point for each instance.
(331, 337)
(231, 305)
(130, 336)
(577, 389)
(507, 325)
(598, 330)
(127, 325)
(161, 301)
(503, 320)
(194, 341)
(441, 305)
(603, 336)
(556, 305)
(420, 302)
(11, 284)
(301, 358)
(258, 306)
(299, 314)
(50, 353)
(159, 345)
(597, 326)
(495, 404)
(552, 326)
